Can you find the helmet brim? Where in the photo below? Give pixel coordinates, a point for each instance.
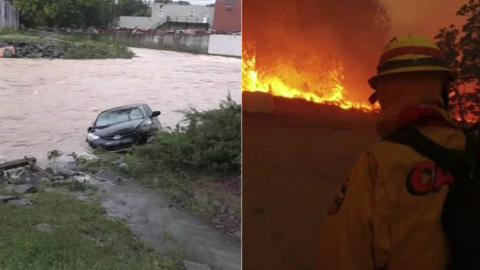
(450, 73)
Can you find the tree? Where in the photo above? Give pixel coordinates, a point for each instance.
(132, 8)
(447, 41)
(77, 13)
(65, 13)
(470, 41)
(462, 51)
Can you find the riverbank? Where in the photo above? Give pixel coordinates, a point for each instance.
(69, 218)
(29, 44)
(178, 194)
(54, 220)
(214, 198)
(196, 165)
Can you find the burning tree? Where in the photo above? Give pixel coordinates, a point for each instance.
(461, 48)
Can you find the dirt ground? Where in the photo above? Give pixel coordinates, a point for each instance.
(151, 217)
(294, 161)
(219, 201)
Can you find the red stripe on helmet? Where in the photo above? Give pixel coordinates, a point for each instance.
(410, 50)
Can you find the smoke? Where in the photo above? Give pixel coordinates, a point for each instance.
(423, 18)
(312, 37)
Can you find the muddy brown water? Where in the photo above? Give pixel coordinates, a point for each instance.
(46, 104)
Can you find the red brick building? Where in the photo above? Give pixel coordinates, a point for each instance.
(228, 16)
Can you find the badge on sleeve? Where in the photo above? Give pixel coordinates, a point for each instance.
(338, 201)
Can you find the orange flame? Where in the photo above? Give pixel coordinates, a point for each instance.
(332, 91)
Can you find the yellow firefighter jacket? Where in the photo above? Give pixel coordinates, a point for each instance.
(387, 214)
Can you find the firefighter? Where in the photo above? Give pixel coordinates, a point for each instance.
(387, 213)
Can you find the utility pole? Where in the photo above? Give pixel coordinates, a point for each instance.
(113, 12)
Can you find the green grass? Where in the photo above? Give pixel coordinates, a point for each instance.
(206, 141)
(177, 185)
(83, 238)
(98, 50)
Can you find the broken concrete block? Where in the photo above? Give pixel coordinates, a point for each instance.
(43, 173)
(36, 180)
(23, 189)
(59, 171)
(54, 154)
(20, 202)
(82, 178)
(6, 199)
(18, 175)
(195, 266)
(21, 181)
(59, 161)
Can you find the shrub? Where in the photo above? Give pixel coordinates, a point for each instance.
(208, 141)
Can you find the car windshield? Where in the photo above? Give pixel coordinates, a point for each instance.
(118, 116)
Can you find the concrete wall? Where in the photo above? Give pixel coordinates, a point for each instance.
(8, 15)
(170, 41)
(136, 22)
(162, 13)
(226, 45)
(295, 158)
(230, 45)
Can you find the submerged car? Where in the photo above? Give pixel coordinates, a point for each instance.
(122, 127)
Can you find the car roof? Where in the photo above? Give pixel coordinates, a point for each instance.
(126, 106)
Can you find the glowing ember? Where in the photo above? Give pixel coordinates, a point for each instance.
(328, 88)
(464, 106)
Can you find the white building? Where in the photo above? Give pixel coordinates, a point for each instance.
(8, 15)
(162, 13)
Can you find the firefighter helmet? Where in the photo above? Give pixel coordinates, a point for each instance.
(410, 54)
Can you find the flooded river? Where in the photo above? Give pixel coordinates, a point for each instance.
(48, 104)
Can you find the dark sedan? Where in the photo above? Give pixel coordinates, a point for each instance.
(122, 127)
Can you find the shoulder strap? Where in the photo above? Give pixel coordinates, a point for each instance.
(472, 144)
(461, 163)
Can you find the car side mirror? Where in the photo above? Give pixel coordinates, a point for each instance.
(155, 113)
(90, 129)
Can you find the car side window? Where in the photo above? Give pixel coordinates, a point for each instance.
(136, 114)
(147, 110)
